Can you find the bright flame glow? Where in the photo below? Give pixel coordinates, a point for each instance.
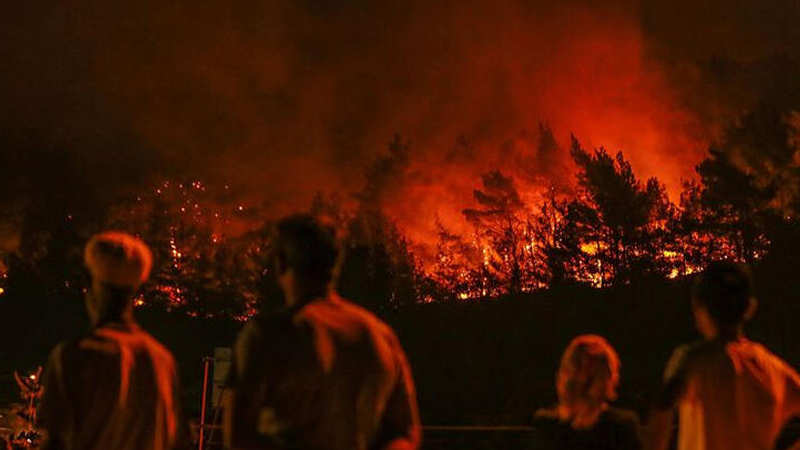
(590, 248)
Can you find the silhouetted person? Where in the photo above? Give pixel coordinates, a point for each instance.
(586, 383)
(322, 373)
(730, 392)
(114, 388)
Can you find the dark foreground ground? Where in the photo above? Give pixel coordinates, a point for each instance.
(480, 363)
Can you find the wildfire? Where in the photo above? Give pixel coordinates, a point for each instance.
(176, 254)
(510, 250)
(173, 293)
(186, 225)
(590, 248)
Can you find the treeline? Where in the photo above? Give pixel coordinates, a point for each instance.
(198, 269)
(608, 228)
(613, 229)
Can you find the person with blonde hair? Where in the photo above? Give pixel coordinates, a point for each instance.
(115, 388)
(586, 383)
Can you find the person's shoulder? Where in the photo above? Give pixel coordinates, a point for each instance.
(761, 352)
(68, 346)
(374, 323)
(684, 356)
(91, 343)
(696, 352)
(88, 348)
(756, 349)
(252, 329)
(356, 313)
(358, 310)
(251, 334)
(63, 351)
(158, 351)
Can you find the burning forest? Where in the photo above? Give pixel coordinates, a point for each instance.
(501, 177)
(195, 127)
(606, 227)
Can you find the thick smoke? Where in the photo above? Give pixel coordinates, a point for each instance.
(285, 98)
(726, 56)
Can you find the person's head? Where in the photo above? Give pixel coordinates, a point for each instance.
(588, 376)
(118, 264)
(722, 299)
(306, 255)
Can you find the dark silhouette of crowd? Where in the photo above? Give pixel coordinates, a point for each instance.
(322, 373)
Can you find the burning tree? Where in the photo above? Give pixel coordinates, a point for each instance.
(500, 231)
(459, 268)
(621, 221)
(558, 243)
(197, 268)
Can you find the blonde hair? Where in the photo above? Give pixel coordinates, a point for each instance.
(588, 375)
(118, 258)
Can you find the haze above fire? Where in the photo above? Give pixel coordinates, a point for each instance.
(285, 98)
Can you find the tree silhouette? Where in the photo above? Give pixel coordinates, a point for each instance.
(558, 243)
(378, 270)
(736, 207)
(620, 219)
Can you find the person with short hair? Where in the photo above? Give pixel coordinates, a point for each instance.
(586, 384)
(729, 392)
(116, 387)
(322, 373)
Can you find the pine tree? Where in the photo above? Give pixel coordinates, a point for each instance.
(621, 219)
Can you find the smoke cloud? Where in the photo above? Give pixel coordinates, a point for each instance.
(285, 98)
